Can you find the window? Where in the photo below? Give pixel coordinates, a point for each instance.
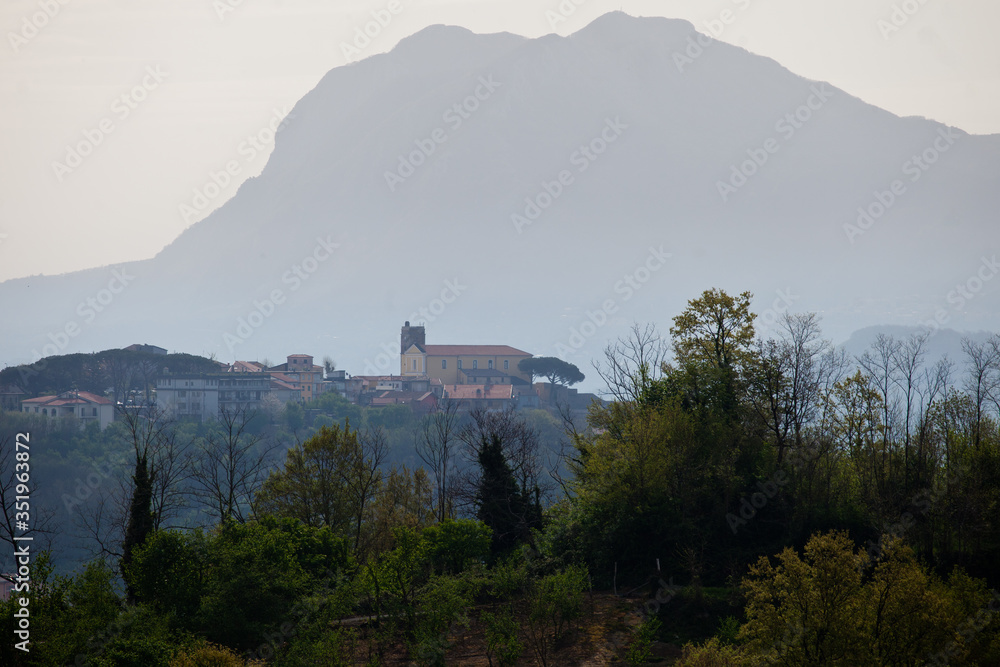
(444, 364)
(459, 364)
(490, 362)
(506, 364)
(475, 363)
(413, 364)
(95, 412)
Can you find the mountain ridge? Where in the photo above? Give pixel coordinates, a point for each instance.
(657, 184)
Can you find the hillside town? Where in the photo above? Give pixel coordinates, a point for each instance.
(471, 376)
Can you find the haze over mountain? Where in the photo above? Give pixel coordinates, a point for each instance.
(414, 162)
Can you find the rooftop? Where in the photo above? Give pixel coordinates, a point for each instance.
(474, 351)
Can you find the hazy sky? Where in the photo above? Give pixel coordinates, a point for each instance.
(114, 112)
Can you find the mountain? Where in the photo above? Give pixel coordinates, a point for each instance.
(546, 193)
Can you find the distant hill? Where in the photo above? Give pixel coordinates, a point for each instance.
(546, 193)
(111, 372)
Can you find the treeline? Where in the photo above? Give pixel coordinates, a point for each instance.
(806, 508)
(118, 372)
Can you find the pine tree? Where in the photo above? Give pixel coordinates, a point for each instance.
(140, 518)
(501, 504)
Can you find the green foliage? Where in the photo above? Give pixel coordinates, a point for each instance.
(503, 647)
(639, 650)
(167, 574)
(715, 654)
(729, 630)
(207, 655)
(555, 601)
(136, 651)
(238, 584)
(89, 372)
(453, 545)
(442, 604)
(824, 610)
(715, 328)
(500, 503)
(554, 369)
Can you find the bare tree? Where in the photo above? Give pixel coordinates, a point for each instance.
(363, 475)
(982, 377)
(20, 518)
(146, 370)
(231, 466)
(520, 446)
(146, 488)
(119, 371)
(633, 363)
(436, 448)
(879, 362)
(788, 380)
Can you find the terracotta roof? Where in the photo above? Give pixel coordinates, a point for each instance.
(246, 367)
(474, 351)
(463, 392)
(279, 383)
(69, 398)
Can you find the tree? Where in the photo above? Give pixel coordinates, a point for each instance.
(633, 364)
(785, 379)
(500, 504)
(826, 609)
(504, 485)
(140, 517)
(715, 328)
(329, 480)
(519, 443)
(983, 377)
(329, 365)
(435, 447)
(554, 369)
(12, 473)
(232, 466)
(308, 487)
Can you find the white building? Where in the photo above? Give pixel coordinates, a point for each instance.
(81, 405)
